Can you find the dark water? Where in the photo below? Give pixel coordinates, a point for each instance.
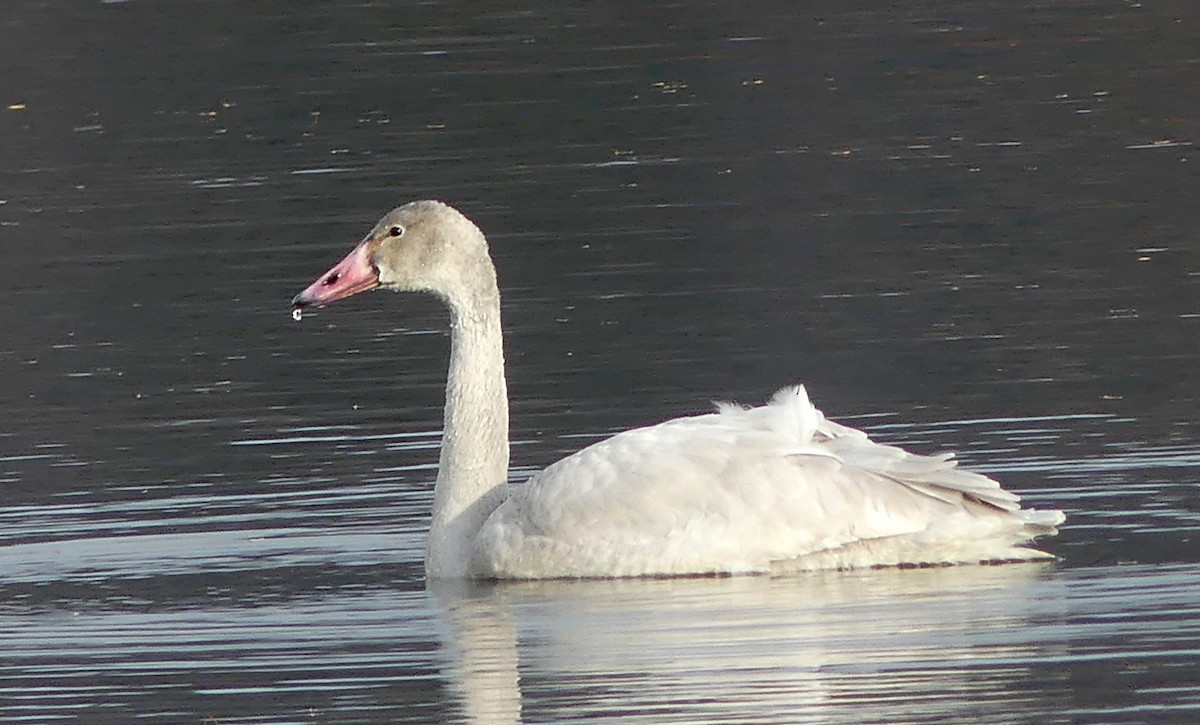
(966, 226)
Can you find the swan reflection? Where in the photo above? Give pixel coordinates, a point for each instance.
(821, 647)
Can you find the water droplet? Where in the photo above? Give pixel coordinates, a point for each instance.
(297, 314)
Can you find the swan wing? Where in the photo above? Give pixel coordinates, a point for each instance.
(740, 490)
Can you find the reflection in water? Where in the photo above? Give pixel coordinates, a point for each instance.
(962, 644)
(481, 640)
(830, 647)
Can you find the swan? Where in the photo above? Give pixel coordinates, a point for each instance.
(761, 490)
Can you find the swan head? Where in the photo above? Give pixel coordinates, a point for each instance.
(421, 246)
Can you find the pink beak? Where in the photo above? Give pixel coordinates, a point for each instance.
(350, 276)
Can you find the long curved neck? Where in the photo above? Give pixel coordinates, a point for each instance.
(473, 467)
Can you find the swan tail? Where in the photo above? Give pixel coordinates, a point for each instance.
(1041, 523)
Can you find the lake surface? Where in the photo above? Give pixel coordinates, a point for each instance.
(965, 226)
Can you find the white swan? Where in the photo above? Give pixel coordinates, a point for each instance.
(759, 490)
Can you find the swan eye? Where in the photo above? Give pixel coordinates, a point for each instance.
(395, 231)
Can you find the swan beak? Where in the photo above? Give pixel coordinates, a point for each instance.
(350, 276)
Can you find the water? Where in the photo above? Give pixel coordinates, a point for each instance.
(966, 226)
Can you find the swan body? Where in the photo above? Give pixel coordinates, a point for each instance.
(769, 489)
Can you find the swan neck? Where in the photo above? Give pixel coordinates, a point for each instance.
(473, 465)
